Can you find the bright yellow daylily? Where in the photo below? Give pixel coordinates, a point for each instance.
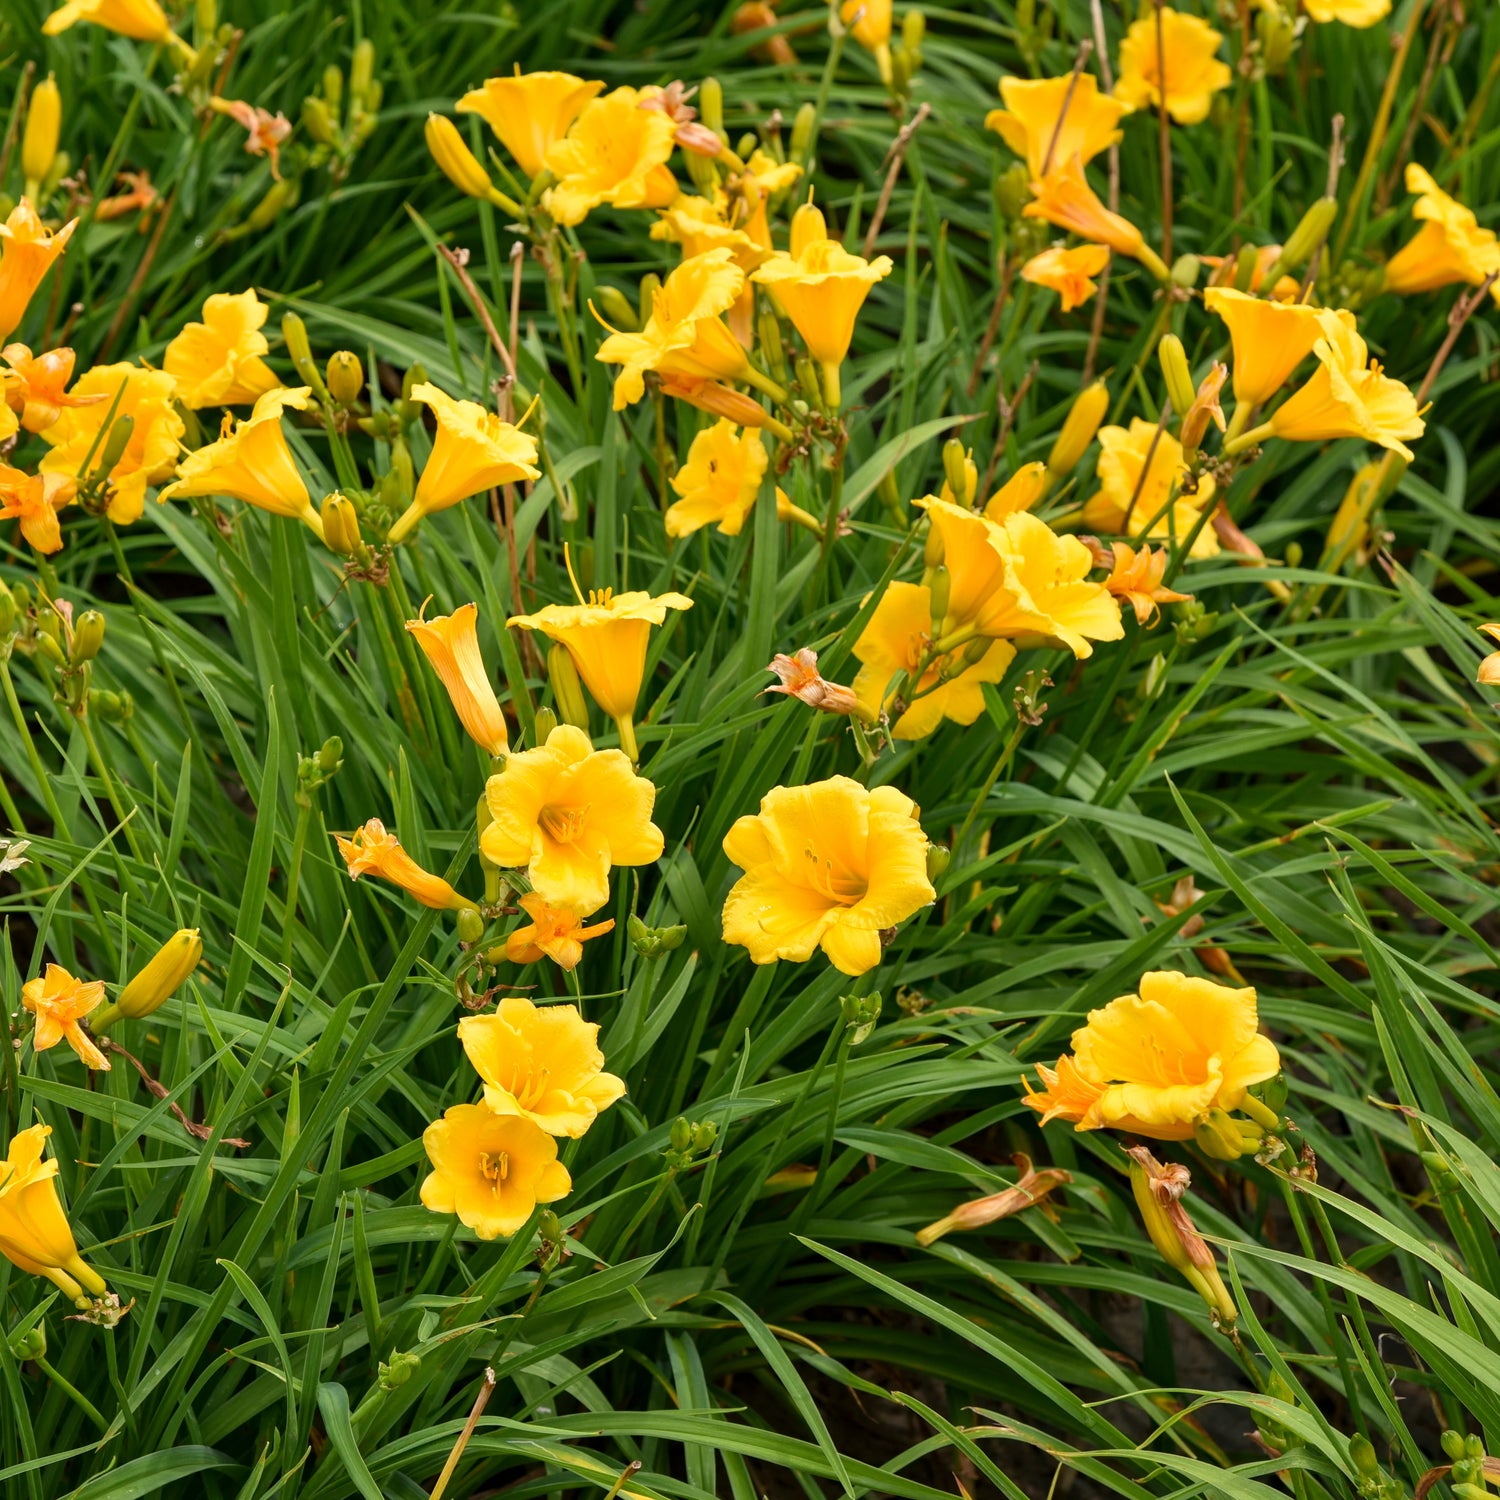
(27, 251)
(373, 851)
(540, 1062)
(616, 152)
(1068, 272)
(719, 482)
(1029, 121)
(141, 20)
(1489, 669)
(869, 23)
(34, 1230)
(1356, 13)
(219, 362)
(1190, 70)
(1121, 461)
(1020, 492)
(59, 1002)
(451, 644)
(531, 112)
(1451, 246)
(1270, 339)
(490, 1170)
(1048, 576)
(1064, 197)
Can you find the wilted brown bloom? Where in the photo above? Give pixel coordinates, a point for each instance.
(673, 102)
(1030, 1191)
(265, 132)
(1205, 408)
(1183, 895)
(1158, 1193)
(138, 192)
(756, 15)
(800, 678)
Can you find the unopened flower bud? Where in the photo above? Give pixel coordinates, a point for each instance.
(545, 721)
(88, 636)
(932, 548)
(206, 18)
(1276, 32)
(163, 974)
(333, 84)
(279, 197)
(318, 120)
(294, 331)
(711, 104)
(650, 286)
(43, 125)
(395, 1372)
(345, 377)
(1452, 1444)
(681, 1134)
(340, 525)
(914, 31)
(330, 755)
(1185, 270)
(469, 926)
(567, 690)
(809, 384)
(960, 473)
(459, 165)
(30, 1343)
(1013, 191)
(1083, 420)
(121, 430)
(1179, 377)
(652, 942)
(705, 1133)
(1311, 231)
(1219, 1136)
(802, 133)
(940, 586)
(1244, 268)
(9, 611)
(938, 858)
(616, 309)
(362, 68)
(768, 335)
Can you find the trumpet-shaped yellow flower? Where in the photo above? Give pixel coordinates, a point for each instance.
(869, 23)
(980, 601)
(946, 685)
(1020, 492)
(821, 287)
(1270, 339)
(1489, 669)
(700, 224)
(531, 112)
(685, 335)
(59, 1002)
(34, 500)
(34, 1230)
(252, 462)
(472, 451)
(36, 386)
(1356, 13)
(219, 362)
(1033, 107)
(451, 644)
(1348, 395)
(540, 1062)
(1064, 197)
(1450, 246)
(553, 932)
(616, 153)
(1136, 577)
(1187, 68)
(1121, 463)
(1156, 1062)
(145, 396)
(373, 851)
(490, 1170)
(1048, 575)
(1068, 272)
(142, 20)
(719, 481)
(568, 814)
(831, 865)
(27, 250)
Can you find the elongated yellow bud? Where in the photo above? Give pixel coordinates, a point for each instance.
(1179, 378)
(1078, 431)
(460, 166)
(43, 126)
(340, 525)
(164, 973)
(567, 690)
(1309, 234)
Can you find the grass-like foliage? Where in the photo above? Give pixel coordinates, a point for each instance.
(1282, 783)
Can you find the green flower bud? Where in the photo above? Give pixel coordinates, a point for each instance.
(711, 104)
(318, 121)
(1311, 231)
(914, 31)
(88, 636)
(362, 68)
(415, 376)
(10, 611)
(802, 133)
(1218, 1136)
(616, 308)
(333, 84)
(681, 1134)
(400, 1368)
(704, 1136)
(567, 690)
(768, 333)
(30, 1343)
(1185, 270)
(1452, 1444)
(939, 856)
(345, 377)
(330, 755)
(104, 703)
(546, 722)
(118, 440)
(650, 286)
(940, 585)
(1179, 377)
(955, 470)
(1013, 191)
(1362, 1455)
(279, 197)
(470, 926)
(809, 384)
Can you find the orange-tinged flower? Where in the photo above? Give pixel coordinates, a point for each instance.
(531, 112)
(146, 397)
(373, 851)
(1020, 492)
(719, 401)
(1136, 577)
(27, 250)
(36, 386)
(831, 865)
(568, 814)
(1033, 106)
(451, 644)
(1064, 197)
(1356, 13)
(719, 482)
(490, 1170)
(1068, 272)
(59, 1002)
(1270, 339)
(541, 1062)
(142, 20)
(34, 1230)
(615, 153)
(34, 500)
(1188, 66)
(1205, 407)
(554, 932)
(1121, 462)
(798, 677)
(1489, 668)
(1449, 247)
(219, 362)
(264, 132)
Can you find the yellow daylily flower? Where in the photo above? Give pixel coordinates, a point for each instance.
(36, 387)
(34, 1230)
(1121, 461)
(149, 456)
(1029, 120)
(373, 851)
(1068, 272)
(142, 20)
(531, 112)
(1136, 577)
(34, 500)
(979, 601)
(1489, 668)
(472, 451)
(219, 362)
(59, 1002)
(831, 865)
(553, 932)
(1048, 576)
(451, 644)
(700, 224)
(761, 180)
(27, 250)
(1356, 13)
(542, 1063)
(251, 461)
(1270, 339)
(616, 153)
(1020, 492)
(1155, 1063)
(1190, 66)
(490, 1170)
(1064, 197)
(898, 640)
(568, 814)
(719, 482)
(1449, 247)
(869, 23)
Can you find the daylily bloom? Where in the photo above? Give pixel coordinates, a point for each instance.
(898, 640)
(1030, 1191)
(798, 677)
(142, 20)
(59, 1002)
(1068, 272)
(491, 1170)
(703, 224)
(252, 462)
(220, 361)
(451, 644)
(821, 287)
(1356, 13)
(264, 132)
(1270, 339)
(27, 250)
(1489, 668)
(146, 397)
(1188, 69)
(34, 500)
(540, 1062)
(1121, 463)
(568, 814)
(1136, 578)
(373, 851)
(34, 1230)
(554, 932)
(607, 637)
(1029, 121)
(869, 23)
(616, 152)
(36, 386)
(754, 188)
(1064, 197)
(531, 112)
(1048, 575)
(831, 865)
(1450, 246)
(1020, 492)
(719, 482)
(1155, 1063)
(472, 451)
